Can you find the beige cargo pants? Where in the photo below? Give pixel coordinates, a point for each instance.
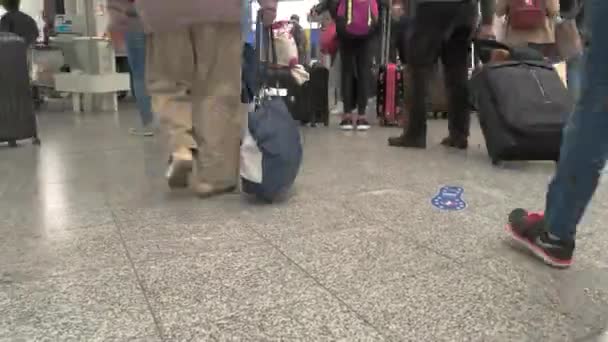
(194, 78)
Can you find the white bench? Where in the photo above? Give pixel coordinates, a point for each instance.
(93, 92)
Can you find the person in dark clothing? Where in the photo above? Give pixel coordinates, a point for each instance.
(400, 25)
(356, 77)
(442, 29)
(300, 37)
(19, 23)
(356, 71)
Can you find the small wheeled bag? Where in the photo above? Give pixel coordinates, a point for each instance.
(523, 106)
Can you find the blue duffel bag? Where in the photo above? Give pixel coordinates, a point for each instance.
(271, 151)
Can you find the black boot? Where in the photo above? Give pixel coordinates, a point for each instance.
(459, 142)
(407, 141)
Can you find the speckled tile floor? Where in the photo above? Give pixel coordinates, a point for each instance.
(93, 247)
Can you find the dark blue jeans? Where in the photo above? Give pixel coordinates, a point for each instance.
(136, 52)
(585, 139)
(573, 75)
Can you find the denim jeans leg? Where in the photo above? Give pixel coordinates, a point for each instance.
(585, 142)
(136, 53)
(573, 75)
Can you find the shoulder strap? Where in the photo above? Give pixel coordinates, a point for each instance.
(265, 48)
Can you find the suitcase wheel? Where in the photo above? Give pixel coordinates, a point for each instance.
(12, 143)
(495, 162)
(444, 115)
(36, 141)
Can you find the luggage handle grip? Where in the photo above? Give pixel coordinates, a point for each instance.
(491, 44)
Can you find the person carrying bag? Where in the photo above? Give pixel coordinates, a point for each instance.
(271, 149)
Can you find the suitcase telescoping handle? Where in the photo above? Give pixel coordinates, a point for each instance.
(519, 54)
(491, 44)
(385, 31)
(266, 53)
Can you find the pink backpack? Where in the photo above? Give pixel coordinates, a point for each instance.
(357, 17)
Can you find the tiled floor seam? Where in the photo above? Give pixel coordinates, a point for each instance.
(496, 281)
(140, 284)
(320, 284)
(591, 337)
(467, 267)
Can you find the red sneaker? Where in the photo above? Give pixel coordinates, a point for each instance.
(530, 231)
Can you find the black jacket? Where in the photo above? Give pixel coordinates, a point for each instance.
(20, 24)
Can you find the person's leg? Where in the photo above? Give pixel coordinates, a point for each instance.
(168, 77)
(427, 35)
(582, 156)
(573, 75)
(363, 59)
(455, 58)
(347, 68)
(218, 113)
(136, 51)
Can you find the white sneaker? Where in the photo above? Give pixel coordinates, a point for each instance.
(363, 124)
(347, 125)
(145, 131)
(178, 172)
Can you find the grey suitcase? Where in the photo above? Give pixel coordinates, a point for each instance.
(17, 116)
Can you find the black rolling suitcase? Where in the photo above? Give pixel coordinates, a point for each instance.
(319, 94)
(309, 103)
(17, 117)
(298, 98)
(522, 105)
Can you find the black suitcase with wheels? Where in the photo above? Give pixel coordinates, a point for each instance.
(17, 117)
(523, 106)
(309, 103)
(319, 94)
(298, 97)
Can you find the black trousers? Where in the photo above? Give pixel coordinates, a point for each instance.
(441, 30)
(356, 63)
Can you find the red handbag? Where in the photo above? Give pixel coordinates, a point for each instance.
(329, 40)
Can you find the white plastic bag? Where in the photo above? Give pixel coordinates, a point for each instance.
(285, 43)
(500, 28)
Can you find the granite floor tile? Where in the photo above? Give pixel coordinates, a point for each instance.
(452, 304)
(104, 305)
(24, 256)
(357, 232)
(360, 257)
(195, 291)
(181, 207)
(39, 219)
(148, 240)
(288, 221)
(460, 235)
(580, 293)
(322, 318)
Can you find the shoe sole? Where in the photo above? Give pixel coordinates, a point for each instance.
(178, 178)
(363, 128)
(347, 128)
(455, 146)
(141, 134)
(537, 251)
(227, 190)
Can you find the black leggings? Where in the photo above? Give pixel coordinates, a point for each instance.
(356, 74)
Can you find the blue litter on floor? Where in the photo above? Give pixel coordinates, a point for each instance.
(449, 198)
